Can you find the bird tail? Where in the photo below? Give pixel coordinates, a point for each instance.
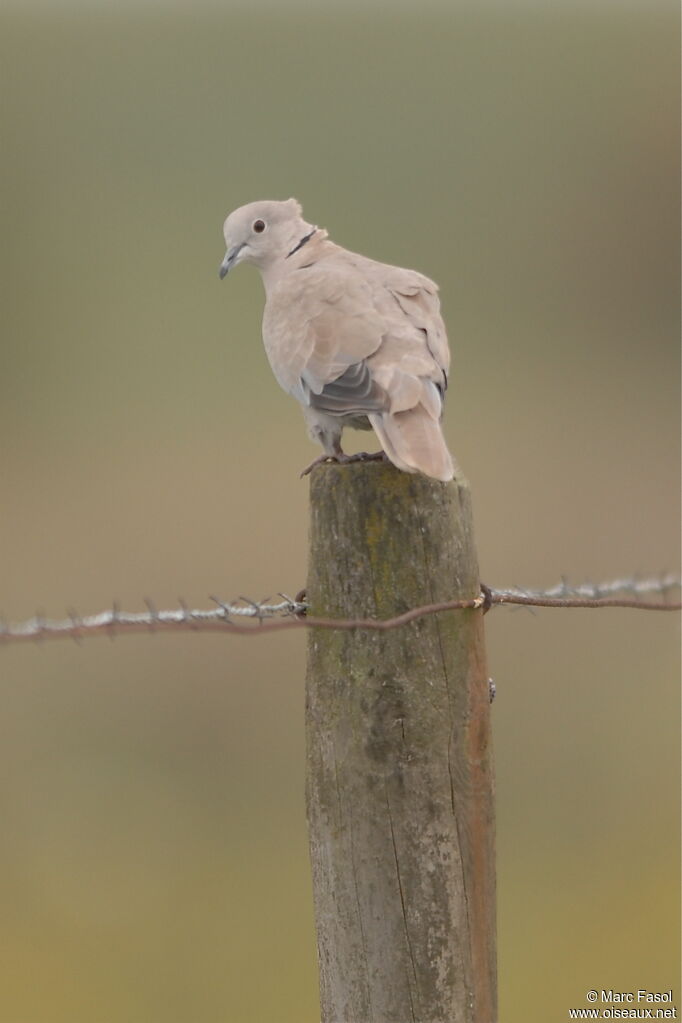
(414, 442)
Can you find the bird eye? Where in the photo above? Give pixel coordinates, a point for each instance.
(259, 226)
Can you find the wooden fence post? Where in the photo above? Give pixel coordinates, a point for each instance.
(399, 759)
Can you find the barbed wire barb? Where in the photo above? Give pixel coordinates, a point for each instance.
(153, 613)
(113, 619)
(74, 618)
(187, 617)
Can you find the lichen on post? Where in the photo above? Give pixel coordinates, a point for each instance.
(399, 759)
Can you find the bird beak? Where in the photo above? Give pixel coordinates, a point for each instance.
(230, 260)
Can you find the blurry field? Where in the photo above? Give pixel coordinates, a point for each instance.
(153, 856)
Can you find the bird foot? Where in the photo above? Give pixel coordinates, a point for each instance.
(366, 456)
(343, 459)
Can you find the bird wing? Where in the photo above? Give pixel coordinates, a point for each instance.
(319, 327)
(416, 296)
(350, 335)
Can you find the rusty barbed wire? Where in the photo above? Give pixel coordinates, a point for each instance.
(291, 612)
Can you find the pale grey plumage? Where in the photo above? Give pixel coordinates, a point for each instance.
(357, 342)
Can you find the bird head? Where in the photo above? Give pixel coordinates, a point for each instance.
(262, 233)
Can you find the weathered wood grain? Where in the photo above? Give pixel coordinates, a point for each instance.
(399, 772)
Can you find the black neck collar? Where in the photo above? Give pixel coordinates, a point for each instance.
(304, 239)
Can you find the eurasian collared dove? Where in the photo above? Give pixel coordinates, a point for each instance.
(358, 343)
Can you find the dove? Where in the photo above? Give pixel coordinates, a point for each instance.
(357, 342)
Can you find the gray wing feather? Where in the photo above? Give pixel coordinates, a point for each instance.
(354, 392)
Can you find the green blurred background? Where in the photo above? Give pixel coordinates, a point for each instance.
(153, 853)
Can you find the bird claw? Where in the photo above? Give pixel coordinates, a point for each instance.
(366, 456)
(317, 461)
(343, 459)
